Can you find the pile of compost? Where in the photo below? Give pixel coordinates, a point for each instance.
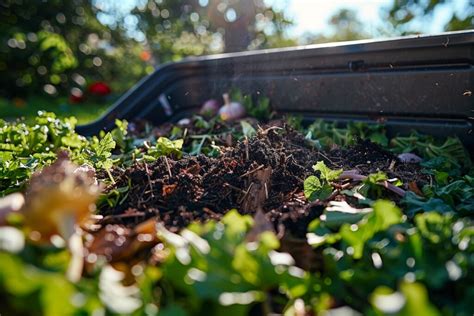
(265, 172)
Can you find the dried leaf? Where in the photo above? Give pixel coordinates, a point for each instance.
(58, 198)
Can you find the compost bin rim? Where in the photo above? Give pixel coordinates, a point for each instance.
(359, 46)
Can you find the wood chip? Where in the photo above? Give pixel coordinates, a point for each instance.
(257, 194)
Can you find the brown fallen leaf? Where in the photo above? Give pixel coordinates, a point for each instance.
(414, 187)
(117, 243)
(58, 198)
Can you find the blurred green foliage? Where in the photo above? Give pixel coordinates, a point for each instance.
(28, 109)
(174, 29)
(402, 15)
(52, 47)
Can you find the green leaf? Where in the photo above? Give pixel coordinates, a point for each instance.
(335, 219)
(312, 186)
(73, 141)
(318, 234)
(120, 135)
(371, 184)
(327, 174)
(384, 215)
(415, 204)
(99, 152)
(417, 300)
(374, 178)
(320, 188)
(411, 300)
(236, 224)
(106, 144)
(434, 226)
(231, 271)
(247, 129)
(166, 147)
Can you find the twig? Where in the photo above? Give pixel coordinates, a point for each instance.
(246, 141)
(393, 188)
(251, 171)
(110, 175)
(209, 211)
(353, 175)
(246, 192)
(324, 156)
(149, 179)
(185, 133)
(168, 167)
(233, 187)
(119, 216)
(270, 129)
(392, 165)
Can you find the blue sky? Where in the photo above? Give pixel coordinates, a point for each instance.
(312, 15)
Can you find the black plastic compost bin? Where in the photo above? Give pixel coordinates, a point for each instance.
(422, 83)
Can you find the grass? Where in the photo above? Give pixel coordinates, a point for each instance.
(28, 108)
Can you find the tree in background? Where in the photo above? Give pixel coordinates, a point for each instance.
(403, 14)
(174, 29)
(54, 46)
(59, 46)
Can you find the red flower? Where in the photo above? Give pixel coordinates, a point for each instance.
(99, 88)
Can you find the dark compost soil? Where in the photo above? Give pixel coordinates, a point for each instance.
(264, 173)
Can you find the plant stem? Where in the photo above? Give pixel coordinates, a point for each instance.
(351, 174)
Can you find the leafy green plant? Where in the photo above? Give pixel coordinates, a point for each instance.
(367, 258)
(25, 148)
(356, 228)
(331, 134)
(451, 149)
(371, 185)
(204, 255)
(458, 194)
(165, 147)
(121, 137)
(415, 204)
(320, 187)
(99, 152)
(259, 109)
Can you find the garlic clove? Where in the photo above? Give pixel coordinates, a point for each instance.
(231, 111)
(210, 108)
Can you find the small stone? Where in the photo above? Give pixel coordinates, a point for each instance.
(409, 158)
